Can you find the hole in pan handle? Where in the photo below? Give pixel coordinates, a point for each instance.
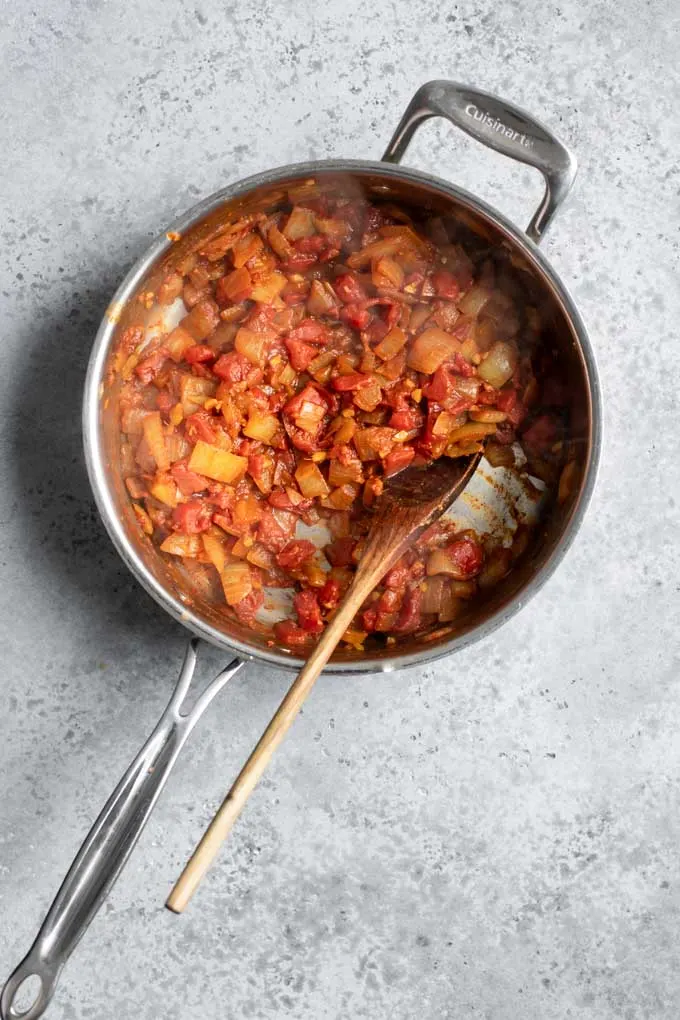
(108, 845)
(499, 125)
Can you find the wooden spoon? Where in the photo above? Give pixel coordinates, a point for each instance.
(410, 502)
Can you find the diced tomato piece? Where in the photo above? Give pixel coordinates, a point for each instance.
(357, 316)
(353, 381)
(282, 501)
(445, 284)
(339, 552)
(398, 575)
(369, 618)
(314, 243)
(311, 331)
(427, 444)
(408, 419)
(199, 353)
(295, 553)
(440, 386)
(313, 393)
(148, 369)
(199, 425)
(247, 608)
(300, 261)
(467, 554)
(164, 402)
(508, 401)
(462, 366)
(234, 367)
(288, 633)
(301, 354)
(442, 389)
(191, 518)
(541, 434)
(386, 608)
(270, 533)
(188, 482)
(398, 459)
(261, 470)
(329, 595)
(410, 614)
(222, 496)
(349, 289)
(306, 605)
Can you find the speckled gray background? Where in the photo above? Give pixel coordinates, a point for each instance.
(496, 837)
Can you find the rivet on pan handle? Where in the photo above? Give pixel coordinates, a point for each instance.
(499, 125)
(109, 844)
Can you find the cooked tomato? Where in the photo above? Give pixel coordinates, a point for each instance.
(308, 610)
(193, 517)
(328, 343)
(295, 553)
(467, 555)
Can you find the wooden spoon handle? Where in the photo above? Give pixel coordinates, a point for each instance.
(377, 559)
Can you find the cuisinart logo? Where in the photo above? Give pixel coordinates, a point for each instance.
(497, 125)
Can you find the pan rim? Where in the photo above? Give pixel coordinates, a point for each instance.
(94, 456)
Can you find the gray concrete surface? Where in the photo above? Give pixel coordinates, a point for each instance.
(495, 837)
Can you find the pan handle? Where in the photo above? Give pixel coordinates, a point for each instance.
(109, 844)
(499, 125)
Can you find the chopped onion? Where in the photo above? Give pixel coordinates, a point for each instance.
(376, 250)
(433, 594)
(245, 248)
(261, 557)
(253, 346)
(143, 519)
(391, 344)
(309, 417)
(471, 432)
(342, 497)
(499, 454)
(165, 490)
(312, 483)
(322, 299)
(237, 286)
(236, 582)
(178, 342)
(279, 243)
(217, 464)
(499, 364)
(368, 397)
(419, 316)
(269, 288)
(152, 427)
(194, 391)
(474, 300)
(340, 474)
(488, 414)
(451, 607)
(262, 427)
(215, 550)
(385, 272)
(182, 545)
(431, 349)
(300, 223)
